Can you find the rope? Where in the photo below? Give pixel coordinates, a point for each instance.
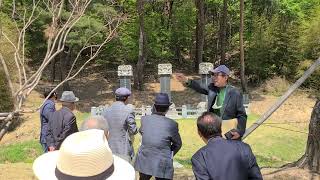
(286, 129)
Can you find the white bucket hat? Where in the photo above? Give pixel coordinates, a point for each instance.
(83, 155)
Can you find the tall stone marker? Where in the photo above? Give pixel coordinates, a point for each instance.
(205, 77)
(125, 74)
(165, 71)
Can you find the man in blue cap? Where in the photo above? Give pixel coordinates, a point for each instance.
(122, 125)
(223, 100)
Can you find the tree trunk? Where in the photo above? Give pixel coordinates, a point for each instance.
(53, 70)
(138, 80)
(64, 62)
(199, 34)
(242, 70)
(223, 32)
(167, 10)
(311, 158)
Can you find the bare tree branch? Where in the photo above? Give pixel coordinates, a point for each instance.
(68, 78)
(56, 33)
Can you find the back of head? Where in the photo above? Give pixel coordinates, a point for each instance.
(48, 92)
(122, 94)
(209, 125)
(95, 122)
(162, 103)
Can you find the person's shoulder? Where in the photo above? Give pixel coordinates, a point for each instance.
(234, 90)
(245, 145)
(66, 112)
(199, 154)
(172, 121)
(47, 103)
(212, 87)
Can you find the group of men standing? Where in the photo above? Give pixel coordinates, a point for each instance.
(219, 159)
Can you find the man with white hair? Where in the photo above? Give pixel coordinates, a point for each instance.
(96, 122)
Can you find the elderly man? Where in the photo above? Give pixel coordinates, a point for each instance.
(96, 122)
(46, 111)
(121, 120)
(160, 142)
(222, 159)
(223, 99)
(62, 123)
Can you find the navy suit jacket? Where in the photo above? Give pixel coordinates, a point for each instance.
(45, 112)
(223, 159)
(62, 123)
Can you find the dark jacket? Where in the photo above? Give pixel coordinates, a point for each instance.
(160, 142)
(224, 159)
(45, 112)
(62, 123)
(232, 106)
(122, 126)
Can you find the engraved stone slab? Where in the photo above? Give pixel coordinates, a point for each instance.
(125, 70)
(164, 69)
(205, 67)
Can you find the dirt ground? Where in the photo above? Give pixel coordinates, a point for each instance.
(94, 90)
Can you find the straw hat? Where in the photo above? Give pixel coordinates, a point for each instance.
(83, 155)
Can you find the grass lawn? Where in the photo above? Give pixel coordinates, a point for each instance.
(272, 146)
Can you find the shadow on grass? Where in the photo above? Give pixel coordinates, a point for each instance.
(185, 162)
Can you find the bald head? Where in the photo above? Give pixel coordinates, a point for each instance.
(209, 125)
(95, 122)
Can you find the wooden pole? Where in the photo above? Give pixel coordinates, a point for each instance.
(282, 99)
(5, 128)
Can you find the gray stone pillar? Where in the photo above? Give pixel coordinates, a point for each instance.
(184, 112)
(205, 77)
(125, 74)
(93, 111)
(246, 102)
(165, 71)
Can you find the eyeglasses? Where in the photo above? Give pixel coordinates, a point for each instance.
(218, 74)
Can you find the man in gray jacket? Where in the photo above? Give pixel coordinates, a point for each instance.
(122, 125)
(160, 142)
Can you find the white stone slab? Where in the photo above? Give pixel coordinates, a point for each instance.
(205, 67)
(125, 70)
(164, 69)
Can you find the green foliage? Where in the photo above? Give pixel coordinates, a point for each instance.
(6, 50)
(20, 152)
(279, 34)
(5, 97)
(314, 80)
